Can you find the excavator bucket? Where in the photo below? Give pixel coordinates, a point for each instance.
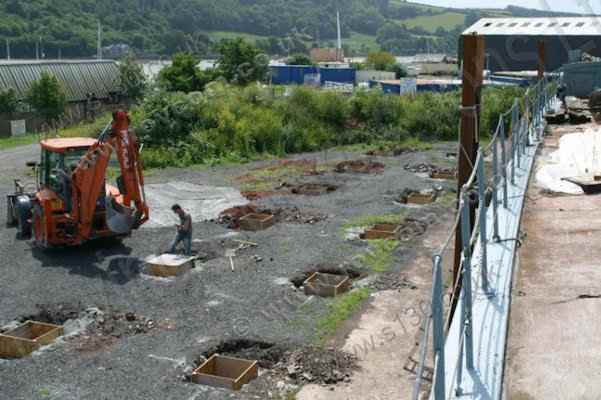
(119, 219)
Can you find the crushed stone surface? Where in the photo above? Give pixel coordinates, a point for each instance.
(176, 319)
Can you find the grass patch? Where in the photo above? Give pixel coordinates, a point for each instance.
(16, 141)
(431, 23)
(87, 129)
(268, 178)
(448, 199)
(379, 257)
(83, 129)
(341, 309)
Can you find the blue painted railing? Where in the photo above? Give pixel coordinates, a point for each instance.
(526, 123)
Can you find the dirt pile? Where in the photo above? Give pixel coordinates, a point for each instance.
(359, 167)
(421, 168)
(394, 151)
(56, 314)
(118, 324)
(318, 365)
(295, 215)
(230, 218)
(303, 365)
(411, 229)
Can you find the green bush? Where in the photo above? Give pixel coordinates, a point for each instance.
(235, 123)
(8, 101)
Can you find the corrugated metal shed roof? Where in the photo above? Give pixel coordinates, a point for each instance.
(78, 77)
(565, 26)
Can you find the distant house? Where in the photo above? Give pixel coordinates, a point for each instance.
(91, 87)
(326, 55)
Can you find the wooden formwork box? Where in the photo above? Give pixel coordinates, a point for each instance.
(256, 222)
(28, 338)
(382, 231)
(326, 285)
(421, 198)
(443, 174)
(168, 265)
(227, 372)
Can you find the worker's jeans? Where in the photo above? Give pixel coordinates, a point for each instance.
(185, 237)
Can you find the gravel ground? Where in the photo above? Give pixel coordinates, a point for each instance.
(209, 303)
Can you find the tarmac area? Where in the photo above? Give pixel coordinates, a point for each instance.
(135, 336)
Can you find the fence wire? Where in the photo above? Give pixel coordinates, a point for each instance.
(517, 128)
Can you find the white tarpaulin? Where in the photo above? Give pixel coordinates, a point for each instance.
(579, 156)
(200, 201)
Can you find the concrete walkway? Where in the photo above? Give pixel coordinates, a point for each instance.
(554, 349)
(383, 338)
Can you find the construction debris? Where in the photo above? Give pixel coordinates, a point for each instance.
(359, 167)
(303, 365)
(231, 217)
(393, 151)
(323, 366)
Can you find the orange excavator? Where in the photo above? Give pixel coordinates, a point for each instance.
(73, 203)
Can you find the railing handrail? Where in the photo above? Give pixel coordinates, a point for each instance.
(523, 122)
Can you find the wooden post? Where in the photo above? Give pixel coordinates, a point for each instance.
(541, 59)
(469, 139)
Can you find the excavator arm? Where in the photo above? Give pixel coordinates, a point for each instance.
(126, 210)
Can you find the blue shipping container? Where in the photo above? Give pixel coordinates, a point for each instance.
(291, 74)
(338, 75)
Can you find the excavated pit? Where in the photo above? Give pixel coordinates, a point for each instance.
(359, 167)
(313, 189)
(299, 366)
(418, 197)
(267, 354)
(411, 229)
(231, 218)
(299, 279)
(433, 171)
(444, 173)
(56, 314)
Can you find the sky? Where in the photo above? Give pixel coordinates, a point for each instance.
(580, 6)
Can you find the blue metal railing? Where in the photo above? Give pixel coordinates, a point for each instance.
(525, 119)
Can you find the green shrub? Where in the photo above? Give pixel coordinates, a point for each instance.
(8, 101)
(228, 122)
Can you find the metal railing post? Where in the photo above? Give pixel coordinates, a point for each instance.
(483, 232)
(466, 233)
(438, 330)
(514, 129)
(504, 162)
(495, 193)
(518, 141)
